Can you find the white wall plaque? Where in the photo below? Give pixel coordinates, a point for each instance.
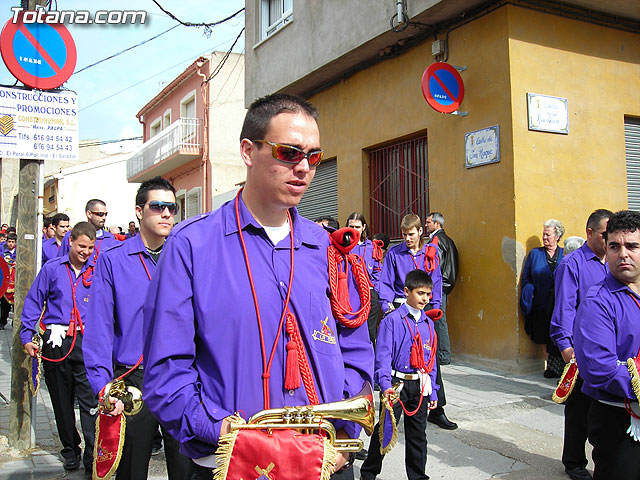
(548, 114)
(482, 147)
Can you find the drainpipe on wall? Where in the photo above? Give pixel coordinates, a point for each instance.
(206, 178)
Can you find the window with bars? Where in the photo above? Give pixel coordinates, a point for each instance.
(399, 185)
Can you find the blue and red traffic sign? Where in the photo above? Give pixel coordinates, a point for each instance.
(40, 55)
(442, 87)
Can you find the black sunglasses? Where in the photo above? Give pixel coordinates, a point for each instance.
(158, 207)
(101, 214)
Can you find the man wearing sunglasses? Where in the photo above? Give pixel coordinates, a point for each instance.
(96, 212)
(113, 335)
(224, 284)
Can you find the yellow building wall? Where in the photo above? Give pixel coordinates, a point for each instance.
(494, 212)
(559, 176)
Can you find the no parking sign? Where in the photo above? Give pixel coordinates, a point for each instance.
(40, 55)
(442, 87)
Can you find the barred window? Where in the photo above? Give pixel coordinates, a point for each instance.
(399, 185)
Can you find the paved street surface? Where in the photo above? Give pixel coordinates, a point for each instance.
(509, 429)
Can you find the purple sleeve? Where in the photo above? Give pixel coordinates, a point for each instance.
(564, 311)
(173, 391)
(33, 303)
(384, 348)
(596, 349)
(385, 284)
(97, 343)
(432, 375)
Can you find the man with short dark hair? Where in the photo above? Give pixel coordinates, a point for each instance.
(47, 229)
(132, 229)
(574, 275)
(207, 350)
(51, 247)
(113, 338)
(96, 211)
(61, 288)
(448, 253)
(607, 345)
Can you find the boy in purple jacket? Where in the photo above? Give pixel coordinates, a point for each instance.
(403, 333)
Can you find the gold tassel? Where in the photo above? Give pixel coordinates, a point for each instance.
(555, 397)
(34, 388)
(635, 376)
(329, 460)
(225, 449)
(387, 410)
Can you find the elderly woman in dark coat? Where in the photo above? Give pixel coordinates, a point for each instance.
(537, 297)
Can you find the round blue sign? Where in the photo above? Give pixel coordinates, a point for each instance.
(442, 87)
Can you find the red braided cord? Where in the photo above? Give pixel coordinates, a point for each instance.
(377, 249)
(428, 369)
(363, 283)
(303, 362)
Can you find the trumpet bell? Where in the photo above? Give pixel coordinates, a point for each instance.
(129, 395)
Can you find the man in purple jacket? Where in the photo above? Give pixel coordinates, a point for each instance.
(607, 333)
(575, 274)
(215, 335)
(113, 337)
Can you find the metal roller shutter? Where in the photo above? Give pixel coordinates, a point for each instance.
(632, 149)
(321, 198)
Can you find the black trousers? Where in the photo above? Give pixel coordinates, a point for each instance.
(5, 308)
(372, 320)
(198, 472)
(64, 380)
(139, 438)
(442, 330)
(615, 453)
(415, 437)
(576, 410)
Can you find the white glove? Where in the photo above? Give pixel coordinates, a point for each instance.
(634, 428)
(58, 332)
(425, 384)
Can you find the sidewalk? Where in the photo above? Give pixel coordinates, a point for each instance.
(508, 428)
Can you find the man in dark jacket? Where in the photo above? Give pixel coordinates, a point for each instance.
(449, 267)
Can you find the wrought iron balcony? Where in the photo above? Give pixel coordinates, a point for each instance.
(171, 148)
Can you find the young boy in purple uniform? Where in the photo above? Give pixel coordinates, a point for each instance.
(414, 253)
(606, 334)
(9, 255)
(396, 337)
(62, 288)
(214, 338)
(113, 337)
(51, 246)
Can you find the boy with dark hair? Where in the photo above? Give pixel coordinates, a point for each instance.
(62, 290)
(51, 247)
(406, 352)
(113, 340)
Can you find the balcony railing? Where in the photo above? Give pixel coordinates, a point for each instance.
(180, 142)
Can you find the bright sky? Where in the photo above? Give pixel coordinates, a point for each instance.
(106, 111)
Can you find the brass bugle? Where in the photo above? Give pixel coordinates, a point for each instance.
(129, 395)
(359, 409)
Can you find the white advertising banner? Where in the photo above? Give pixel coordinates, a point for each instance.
(38, 124)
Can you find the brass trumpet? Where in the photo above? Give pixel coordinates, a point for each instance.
(307, 418)
(130, 396)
